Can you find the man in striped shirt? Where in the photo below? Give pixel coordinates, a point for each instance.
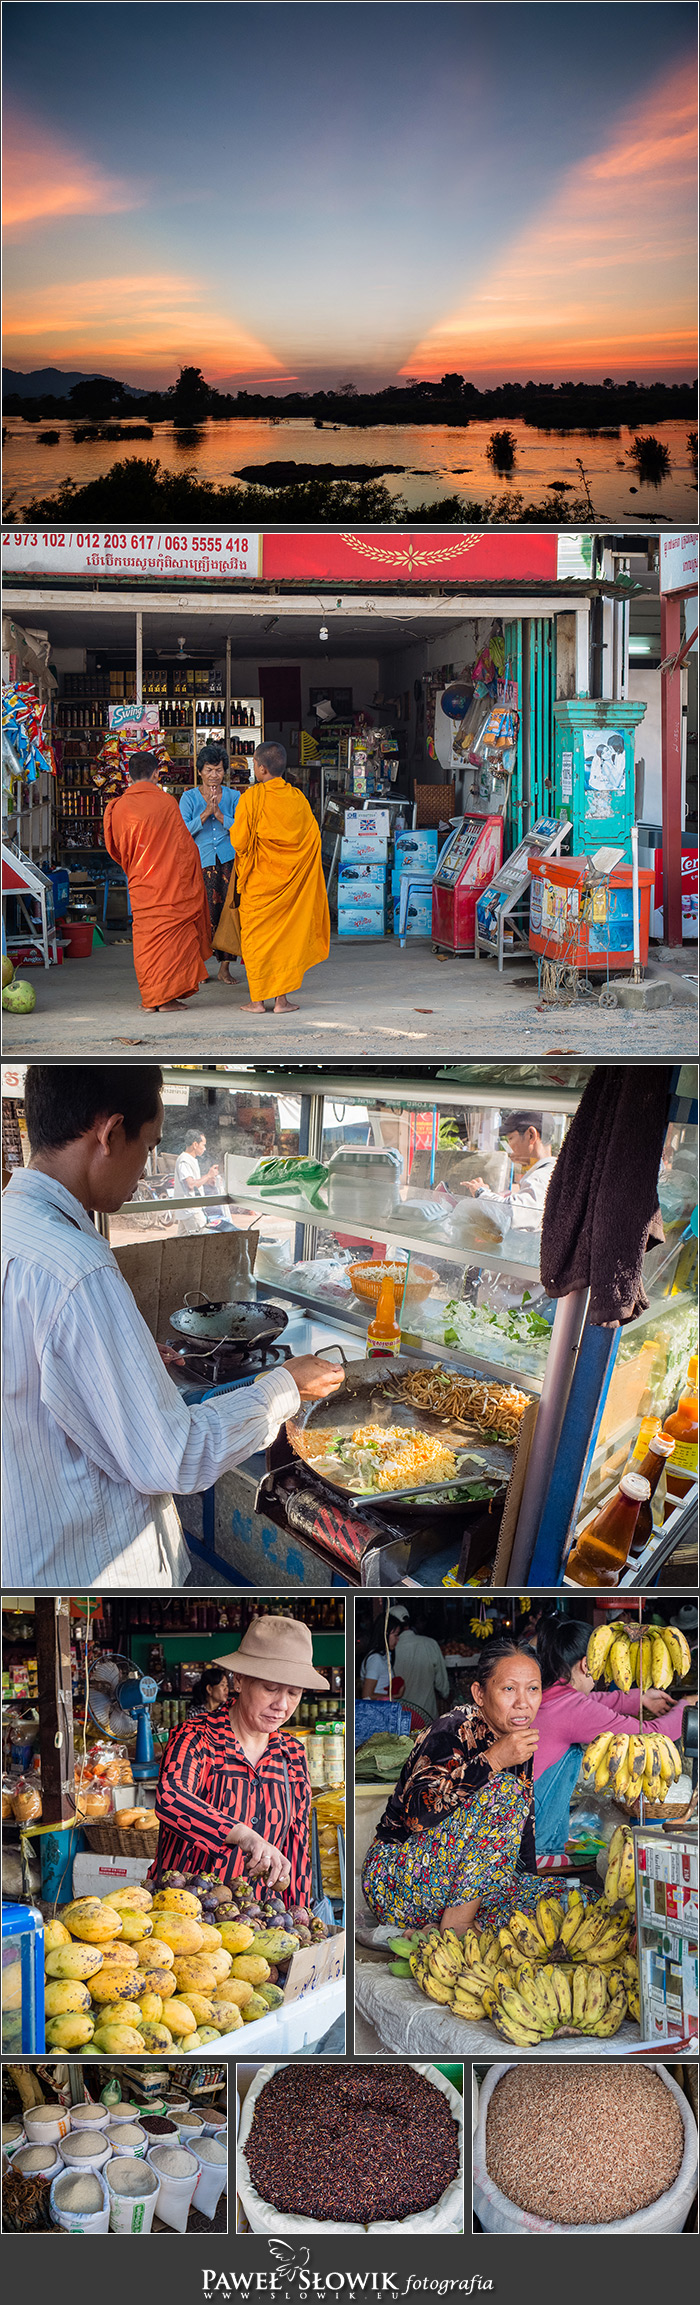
(96, 1437)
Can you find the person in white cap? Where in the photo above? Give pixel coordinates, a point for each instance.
(234, 1794)
(521, 1206)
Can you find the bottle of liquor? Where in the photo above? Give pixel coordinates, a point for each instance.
(682, 1427)
(599, 1556)
(244, 718)
(661, 1447)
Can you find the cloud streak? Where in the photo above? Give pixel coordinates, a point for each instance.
(150, 320)
(580, 286)
(45, 178)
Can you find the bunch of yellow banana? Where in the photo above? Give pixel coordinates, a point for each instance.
(548, 2002)
(436, 1965)
(619, 1877)
(613, 1655)
(630, 1765)
(512, 1978)
(600, 1938)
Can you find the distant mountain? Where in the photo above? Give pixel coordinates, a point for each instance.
(34, 383)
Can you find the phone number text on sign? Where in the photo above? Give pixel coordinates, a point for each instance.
(129, 552)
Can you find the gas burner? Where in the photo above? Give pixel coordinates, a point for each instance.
(222, 1363)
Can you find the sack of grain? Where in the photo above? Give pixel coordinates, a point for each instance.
(212, 2156)
(133, 2191)
(89, 2116)
(86, 2148)
(595, 2135)
(37, 2161)
(69, 2200)
(44, 2124)
(128, 2137)
(447, 2214)
(177, 2173)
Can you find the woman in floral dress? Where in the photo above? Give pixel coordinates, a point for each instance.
(457, 1835)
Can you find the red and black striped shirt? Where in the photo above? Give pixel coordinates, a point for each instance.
(207, 1784)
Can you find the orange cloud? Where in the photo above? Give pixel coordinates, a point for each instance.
(45, 177)
(156, 319)
(581, 285)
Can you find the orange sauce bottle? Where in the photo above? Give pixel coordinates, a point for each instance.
(600, 1553)
(682, 1427)
(384, 1334)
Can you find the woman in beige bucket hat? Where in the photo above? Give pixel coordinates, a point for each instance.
(233, 1791)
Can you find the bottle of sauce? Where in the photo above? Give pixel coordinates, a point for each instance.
(661, 1447)
(650, 1425)
(599, 1556)
(682, 1427)
(384, 1334)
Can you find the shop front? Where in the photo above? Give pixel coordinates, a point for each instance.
(417, 685)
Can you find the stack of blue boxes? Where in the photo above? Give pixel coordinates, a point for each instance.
(362, 873)
(364, 896)
(414, 852)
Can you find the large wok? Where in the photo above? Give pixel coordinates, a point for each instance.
(244, 1324)
(362, 1399)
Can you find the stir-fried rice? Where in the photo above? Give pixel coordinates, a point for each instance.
(385, 1457)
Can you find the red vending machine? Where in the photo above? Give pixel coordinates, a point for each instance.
(467, 864)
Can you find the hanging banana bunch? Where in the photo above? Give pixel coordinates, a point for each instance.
(630, 1765)
(614, 1655)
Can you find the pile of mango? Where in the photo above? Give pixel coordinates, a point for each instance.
(134, 1974)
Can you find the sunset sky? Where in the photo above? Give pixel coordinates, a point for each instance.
(307, 194)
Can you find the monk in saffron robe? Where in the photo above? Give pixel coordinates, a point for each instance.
(285, 922)
(144, 832)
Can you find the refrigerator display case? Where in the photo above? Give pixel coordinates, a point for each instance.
(666, 1872)
(22, 1981)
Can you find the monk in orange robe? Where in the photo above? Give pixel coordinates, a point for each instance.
(285, 922)
(144, 832)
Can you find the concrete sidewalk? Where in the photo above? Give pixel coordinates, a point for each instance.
(366, 1000)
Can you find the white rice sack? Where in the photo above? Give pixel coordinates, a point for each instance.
(208, 2150)
(83, 2193)
(129, 2176)
(172, 2161)
(32, 2158)
(92, 2141)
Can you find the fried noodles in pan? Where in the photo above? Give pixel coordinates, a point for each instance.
(493, 1409)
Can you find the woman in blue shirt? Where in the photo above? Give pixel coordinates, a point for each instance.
(208, 809)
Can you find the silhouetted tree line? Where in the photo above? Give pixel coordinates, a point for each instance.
(454, 399)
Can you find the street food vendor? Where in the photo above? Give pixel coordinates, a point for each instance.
(210, 1692)
(457, 1835)
(234, 1793)
(97, 1439)
(521, 1207)
(572, 1714)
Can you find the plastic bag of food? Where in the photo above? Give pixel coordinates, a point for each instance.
(26, 1801)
